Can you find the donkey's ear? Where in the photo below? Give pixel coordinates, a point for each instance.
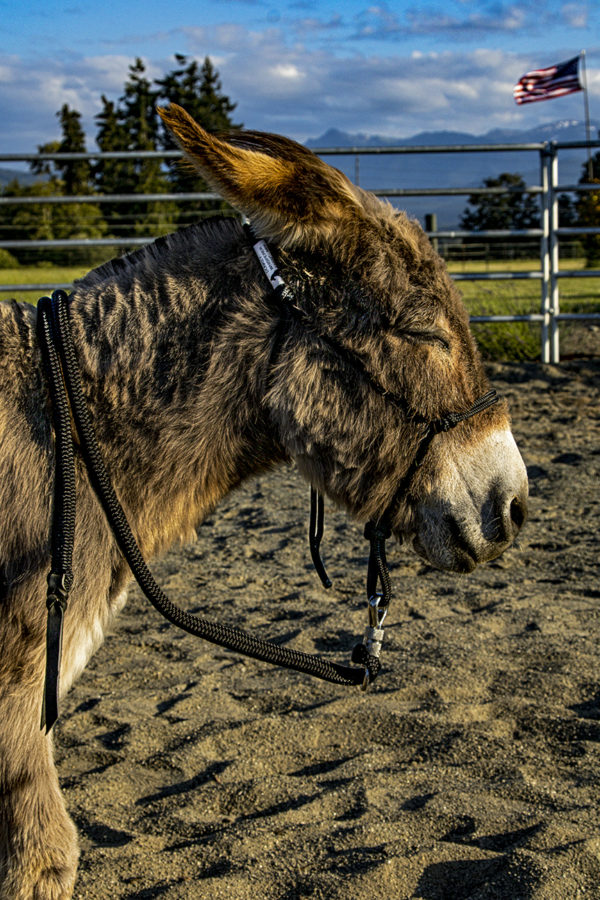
(288, 193)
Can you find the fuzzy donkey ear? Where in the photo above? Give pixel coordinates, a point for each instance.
(289, 194)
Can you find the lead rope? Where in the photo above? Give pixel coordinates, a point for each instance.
(60, 577)
(59, 351)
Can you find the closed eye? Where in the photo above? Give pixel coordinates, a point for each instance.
(426, 337)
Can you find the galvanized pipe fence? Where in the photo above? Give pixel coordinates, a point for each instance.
(549, 272)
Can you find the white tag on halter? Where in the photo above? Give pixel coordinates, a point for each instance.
(268, 264)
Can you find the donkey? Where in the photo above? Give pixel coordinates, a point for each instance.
(196, 380)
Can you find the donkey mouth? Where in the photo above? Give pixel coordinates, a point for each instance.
(461, 560)
(457, 547)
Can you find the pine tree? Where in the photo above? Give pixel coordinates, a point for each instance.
(216, 109)
(76, 174)
(45, 167)
(112, 176)
(132, 125)
(198, 90)
(58, 221)
(511, 209)
(137, 109)
(138, 116)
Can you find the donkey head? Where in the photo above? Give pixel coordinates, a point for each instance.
(383, 347)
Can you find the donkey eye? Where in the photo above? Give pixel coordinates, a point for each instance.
(427, 337)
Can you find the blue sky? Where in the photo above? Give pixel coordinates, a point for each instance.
(298, 66)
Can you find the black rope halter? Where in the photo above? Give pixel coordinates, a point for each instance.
(60, 360)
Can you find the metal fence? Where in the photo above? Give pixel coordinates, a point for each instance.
(549, 235)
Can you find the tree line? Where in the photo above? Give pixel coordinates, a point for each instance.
(129, 124)
(516, 209)
(132, 124)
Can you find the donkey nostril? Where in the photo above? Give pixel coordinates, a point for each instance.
(518, 512)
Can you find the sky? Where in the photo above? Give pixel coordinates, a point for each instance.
(299, 67)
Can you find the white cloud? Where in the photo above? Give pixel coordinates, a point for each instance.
(287, 71)
(291, 89)
(575, 14)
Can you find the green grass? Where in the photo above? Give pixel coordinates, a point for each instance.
(51, 275)
(521, 340)
(511, 340)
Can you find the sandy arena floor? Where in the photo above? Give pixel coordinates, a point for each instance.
(472, 769)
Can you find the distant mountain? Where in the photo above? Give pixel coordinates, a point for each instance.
(561, 130)
(8, 175)
(455, 170)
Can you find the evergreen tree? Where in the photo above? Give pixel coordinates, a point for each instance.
(76, 174)
(132, 125)
(215, 109)
(58, 221)
(129, 124)
(198, 89)
(112, 176)
(45, 167)
(137, 114)
(137, 109)
(511, 209)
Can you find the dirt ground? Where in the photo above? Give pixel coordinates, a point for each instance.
(471, 770)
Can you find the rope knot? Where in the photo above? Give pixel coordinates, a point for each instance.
(59, 585)
(446, 423)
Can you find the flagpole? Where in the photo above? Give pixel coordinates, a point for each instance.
(588, 130)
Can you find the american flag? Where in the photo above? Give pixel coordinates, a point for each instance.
(545, 84)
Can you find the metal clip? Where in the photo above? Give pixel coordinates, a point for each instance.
(374, 633)
(377, 613)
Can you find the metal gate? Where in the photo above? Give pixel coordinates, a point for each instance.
(549, 273)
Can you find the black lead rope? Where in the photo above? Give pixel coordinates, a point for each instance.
(60, 578)
(57, 343)
(315, 534)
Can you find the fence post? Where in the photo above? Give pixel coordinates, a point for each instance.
(554, 258)
(546, 178)
(431, 225)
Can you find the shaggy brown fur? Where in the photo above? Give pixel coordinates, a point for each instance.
(174, 343)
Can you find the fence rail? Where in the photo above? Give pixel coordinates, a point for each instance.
(549, 235)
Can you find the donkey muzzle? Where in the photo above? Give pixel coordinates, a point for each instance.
(477, 508)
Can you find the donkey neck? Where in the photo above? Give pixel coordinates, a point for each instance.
(172, 343)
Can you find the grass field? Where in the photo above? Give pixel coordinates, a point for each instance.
(521, 340)
(513, 340)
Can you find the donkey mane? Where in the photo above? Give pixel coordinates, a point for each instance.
(203, 237)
